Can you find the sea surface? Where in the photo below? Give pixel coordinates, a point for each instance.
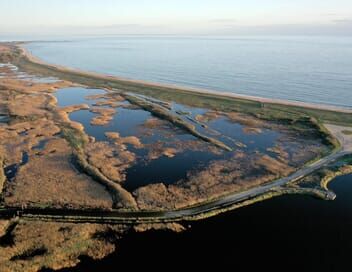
(300, 68)
(290, 233)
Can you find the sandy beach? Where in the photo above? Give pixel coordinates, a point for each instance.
(35, 59)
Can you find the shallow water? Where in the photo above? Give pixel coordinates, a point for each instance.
(129, 122)
(3, 119)
(41, 145)
(15, 74)
(11, 170)
(302, 68)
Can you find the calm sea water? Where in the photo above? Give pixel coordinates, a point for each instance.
(310, 69)
(288, 233)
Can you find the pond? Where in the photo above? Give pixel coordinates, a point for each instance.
(130, 121)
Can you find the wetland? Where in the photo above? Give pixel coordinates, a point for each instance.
(73, 141)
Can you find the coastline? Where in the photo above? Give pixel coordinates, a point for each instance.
(274, 101)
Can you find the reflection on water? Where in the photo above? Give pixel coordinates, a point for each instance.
(290, 233)
(130, 121)
(11, 170)
(76, 95)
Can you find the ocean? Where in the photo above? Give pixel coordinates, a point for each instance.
(308, 69)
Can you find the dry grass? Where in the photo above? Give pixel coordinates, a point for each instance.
(252, 130)
(48, 179)
(219, 178)
(104, 117)
(28, 87)
(122, 141)
(40, 245)
(112, 161)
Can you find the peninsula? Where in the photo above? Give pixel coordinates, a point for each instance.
(116, 155)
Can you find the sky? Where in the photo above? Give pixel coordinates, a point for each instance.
(176, 17)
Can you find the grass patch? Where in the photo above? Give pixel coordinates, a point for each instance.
(347, 132)
(346, 159)
(74, 137)
(268, 111)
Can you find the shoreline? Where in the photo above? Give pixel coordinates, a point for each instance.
(274, 101)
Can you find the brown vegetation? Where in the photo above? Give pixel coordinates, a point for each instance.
(112, 161)
(29, 87)
(163, 113)
(219, 178)
(252, 130)
(105, 115)
(175, 227)
(122, 141)
(48, 179)
(39, 245)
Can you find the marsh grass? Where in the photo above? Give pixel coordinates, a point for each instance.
(268, 111)
(347, 132)
(74, 137)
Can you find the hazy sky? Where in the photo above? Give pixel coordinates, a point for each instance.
(176, 16)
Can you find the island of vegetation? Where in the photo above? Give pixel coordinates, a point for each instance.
(86, 158)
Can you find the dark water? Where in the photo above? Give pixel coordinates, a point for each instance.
(288, 233)
(3, 119)
(129, 122)
(41, 145)
(166, 170)
(11, 170)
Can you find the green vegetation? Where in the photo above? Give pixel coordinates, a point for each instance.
(347, 132)
(305, 121)
(74, 137)
(322, 177)
(324, 134)
(329, 174)
(268, 111)
(177, 121)
(346, 159)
